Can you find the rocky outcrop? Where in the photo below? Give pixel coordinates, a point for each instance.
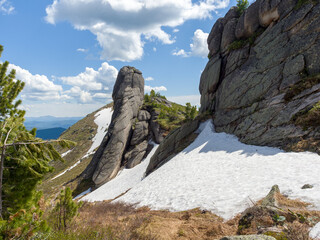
(128, 94)
(134, 124)
(262, 86)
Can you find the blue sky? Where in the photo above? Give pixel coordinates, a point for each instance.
(69, 51)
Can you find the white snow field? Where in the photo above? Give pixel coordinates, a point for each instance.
(125, 180)
(220, 174)
(103, 120)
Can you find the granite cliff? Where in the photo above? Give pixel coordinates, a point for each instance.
(263, 77)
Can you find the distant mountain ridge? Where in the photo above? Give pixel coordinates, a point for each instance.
(47, 122)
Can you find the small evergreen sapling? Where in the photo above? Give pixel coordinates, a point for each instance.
(65, 210)
(242, 5)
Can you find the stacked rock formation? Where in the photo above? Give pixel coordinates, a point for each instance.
(263, 72)
(132, 127)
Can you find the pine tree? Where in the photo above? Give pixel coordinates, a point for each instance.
(65, 210)
(24, 159)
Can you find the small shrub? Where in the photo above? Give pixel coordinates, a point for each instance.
(242, 5)
(65, 210)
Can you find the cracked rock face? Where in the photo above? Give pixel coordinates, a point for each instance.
(247, 88)
(128, 94)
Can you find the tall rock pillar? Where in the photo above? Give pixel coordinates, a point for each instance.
(128, 95)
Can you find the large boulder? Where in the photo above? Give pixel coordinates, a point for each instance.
(248, 22)
(214, 38)
(128, 95)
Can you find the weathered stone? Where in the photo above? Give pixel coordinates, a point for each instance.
(135, 154)
(214, 38)
(128, 94)
(270, 199)
(155, 128)
(144, 115)
(307, 186)
(171, 144)
(249, 97)
(249, 237)
(268, 12)
(294, 66)
(240, 30)
(232, 13)
(251, 19)
(228, 35)
(140, 132)
(210, 76)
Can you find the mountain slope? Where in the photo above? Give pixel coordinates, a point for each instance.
(88, 134)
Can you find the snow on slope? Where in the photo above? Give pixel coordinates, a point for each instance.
(315, 232)
(103, 120)
(125, 180)
(219, 173)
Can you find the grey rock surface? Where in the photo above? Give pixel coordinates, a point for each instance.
(135, 154)
(246, 88)
(128, 95)
(140, 132)
(214, 38)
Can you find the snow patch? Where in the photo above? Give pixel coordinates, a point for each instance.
(66, 153)
(315, 232)
(125, 180)
(103, 120)
(82, 194)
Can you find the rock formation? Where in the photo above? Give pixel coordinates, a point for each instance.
(263, 77)
(128, 96)
(133, 125)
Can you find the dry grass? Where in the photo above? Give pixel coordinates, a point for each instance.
(104, 220)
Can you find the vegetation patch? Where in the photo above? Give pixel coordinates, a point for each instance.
(308, 118)
(171, 115)
(305, 83)
(238, 44)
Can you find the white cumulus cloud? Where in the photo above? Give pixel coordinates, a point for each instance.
(38, 87)
(156, 89)
(198, 47)
(6, 7)
(119, 25)
(149, 79)
(92, 84)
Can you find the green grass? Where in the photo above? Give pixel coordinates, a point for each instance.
(171, 115)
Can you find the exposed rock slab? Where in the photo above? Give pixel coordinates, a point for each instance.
(246, 88)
